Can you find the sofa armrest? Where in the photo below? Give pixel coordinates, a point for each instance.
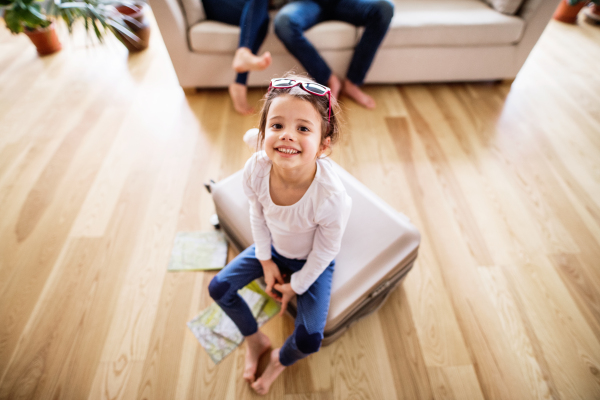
(537, 14)
(174, 30)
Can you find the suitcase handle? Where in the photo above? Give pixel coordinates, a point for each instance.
(208, 186)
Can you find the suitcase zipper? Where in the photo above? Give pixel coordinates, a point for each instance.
(380, 289)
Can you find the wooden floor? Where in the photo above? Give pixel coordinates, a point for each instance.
(103, 159)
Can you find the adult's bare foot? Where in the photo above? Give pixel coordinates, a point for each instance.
(256, 345)
(274, 369)
(335, 85)
(245, 61)
(238, 93)
(354, 92)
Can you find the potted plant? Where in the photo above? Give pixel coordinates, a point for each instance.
(135, 16)
(27, 16)
(36, 18)
(98, 16)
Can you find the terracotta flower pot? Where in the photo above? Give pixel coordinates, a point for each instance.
(45, 40)
(567, 13)
(141, 28)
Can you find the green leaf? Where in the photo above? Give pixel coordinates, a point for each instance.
(13, 23)
(35, 10)
(124, 30)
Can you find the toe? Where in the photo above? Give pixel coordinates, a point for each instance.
(249, 378)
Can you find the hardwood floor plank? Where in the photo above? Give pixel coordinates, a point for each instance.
(405, 351)
(310, 396)
(106, 387)
(39, 358)
(515, 325)
(495, 206)
(359, 369)
(437, 156)
(45, 161)
(44, 190)
(457, 382)
(99, 204)
(572, 355)
(440, 338)
(131, 325)
(36, 256)
(542, 190)
(49, 133)
(494, 364)
(580, 288)
(199, 377)
(160, 371)
(100, 278)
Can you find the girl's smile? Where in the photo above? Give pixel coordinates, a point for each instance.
(287, 151)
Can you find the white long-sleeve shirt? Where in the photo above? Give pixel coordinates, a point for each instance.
(311, 229)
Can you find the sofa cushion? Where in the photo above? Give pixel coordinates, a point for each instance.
(216, 37)
(450, 23)
(194, 11)
(416, 23)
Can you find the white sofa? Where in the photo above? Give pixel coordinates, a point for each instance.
(428, 41)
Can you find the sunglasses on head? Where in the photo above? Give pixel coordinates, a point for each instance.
(310, 87)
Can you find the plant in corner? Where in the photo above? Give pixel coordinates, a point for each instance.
(27, 16)
(36, 18)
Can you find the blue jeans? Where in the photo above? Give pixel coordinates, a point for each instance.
(296, 17)
(252, 16)
(312, 305)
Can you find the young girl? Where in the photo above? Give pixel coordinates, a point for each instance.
(298, 212)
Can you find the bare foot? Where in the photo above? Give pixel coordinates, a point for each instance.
(256, 345)
(245, 61)
(354, 92)
(238, 93)
(274, 369)
(335, 85)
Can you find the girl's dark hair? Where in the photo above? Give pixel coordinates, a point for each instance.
(330, 128)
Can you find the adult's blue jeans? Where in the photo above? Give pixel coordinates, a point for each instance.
(312, 305)
(298, 16)
(252, 16)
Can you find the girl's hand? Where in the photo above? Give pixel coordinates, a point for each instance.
(287, 294)
(272, 276)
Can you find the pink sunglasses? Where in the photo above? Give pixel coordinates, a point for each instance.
(310, 87)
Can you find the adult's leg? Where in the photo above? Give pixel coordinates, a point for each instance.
(290, 23)
(252, 16)
(253, 19)
(375, 16)
(254, 24)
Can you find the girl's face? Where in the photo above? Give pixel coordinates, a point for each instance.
(293, 133)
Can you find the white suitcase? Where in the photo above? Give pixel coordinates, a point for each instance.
(378, 248)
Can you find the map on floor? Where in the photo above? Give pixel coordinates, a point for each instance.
(198, 251)
(217, 333)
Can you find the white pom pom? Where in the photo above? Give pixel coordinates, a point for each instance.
(251, 138)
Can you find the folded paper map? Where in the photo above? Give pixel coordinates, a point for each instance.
(197, 251)
(217, 333)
